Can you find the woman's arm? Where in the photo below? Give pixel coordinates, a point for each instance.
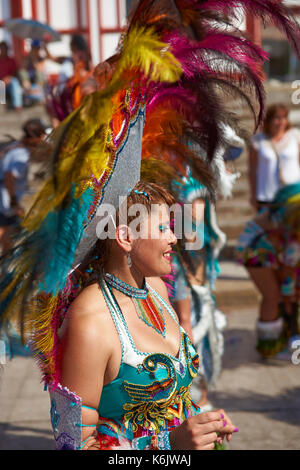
(85, 341)
(252, 164)
(49, 56)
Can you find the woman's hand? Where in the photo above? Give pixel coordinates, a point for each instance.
(92, 443)
(201, 432)
(229, 423)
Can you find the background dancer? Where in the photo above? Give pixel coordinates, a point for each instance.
(196, 272)
(172, 57)
(269, 248)
(264, 245)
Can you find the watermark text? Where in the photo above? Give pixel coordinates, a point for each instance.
(185, 221)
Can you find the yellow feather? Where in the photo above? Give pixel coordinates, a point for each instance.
(79, 158)
(82, 137)
(41, 317)
(81, 150)
(142, 49)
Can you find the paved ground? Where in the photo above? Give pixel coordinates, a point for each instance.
(24, 408)
(263, 398)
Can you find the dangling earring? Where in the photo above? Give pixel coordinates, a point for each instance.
(129, 261)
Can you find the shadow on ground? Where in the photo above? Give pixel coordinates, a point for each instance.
(284, 406)
(25, 437)
(240, 350)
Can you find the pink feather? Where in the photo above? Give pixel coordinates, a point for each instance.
(270, 11)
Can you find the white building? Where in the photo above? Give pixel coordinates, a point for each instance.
(99, 21)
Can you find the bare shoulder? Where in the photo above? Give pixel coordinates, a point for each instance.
(159, 286)
(88, 317)
(87, 345)
(90, 300)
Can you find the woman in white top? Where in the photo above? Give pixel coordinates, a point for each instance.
(274, 159)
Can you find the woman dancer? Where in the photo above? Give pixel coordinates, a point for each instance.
(269, 248)
(134, 397)
(196, 271)
(274, 172)
(174, 55)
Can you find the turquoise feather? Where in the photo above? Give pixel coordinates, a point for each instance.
(68, 225)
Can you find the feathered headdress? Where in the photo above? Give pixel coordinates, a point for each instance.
(174, 64)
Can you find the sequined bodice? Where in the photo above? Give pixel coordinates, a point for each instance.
(151, 388)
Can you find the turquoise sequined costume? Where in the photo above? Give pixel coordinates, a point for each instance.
(272, 241)
(279, 245)
(149, 397)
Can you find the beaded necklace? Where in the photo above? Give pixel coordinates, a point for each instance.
(146, 305)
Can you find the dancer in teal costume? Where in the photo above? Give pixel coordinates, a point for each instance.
(207, 322)
(272, 240)
(145, 399)
(173, 61)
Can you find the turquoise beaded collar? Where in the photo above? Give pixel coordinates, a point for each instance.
(126, 289)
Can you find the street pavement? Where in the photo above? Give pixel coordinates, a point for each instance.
(261, 397)
(24, 407)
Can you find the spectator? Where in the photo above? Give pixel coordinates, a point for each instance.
(32, 74)
(8, 71)
(274, 159)
(83, 79)
(14, 163)
(76, 80)
(80, 55)
(80, 51)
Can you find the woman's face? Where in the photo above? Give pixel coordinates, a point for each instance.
(279, 123)
(151, 251)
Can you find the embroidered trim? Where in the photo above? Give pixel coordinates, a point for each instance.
(119, 315)
(115, 146)
(114, 312)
